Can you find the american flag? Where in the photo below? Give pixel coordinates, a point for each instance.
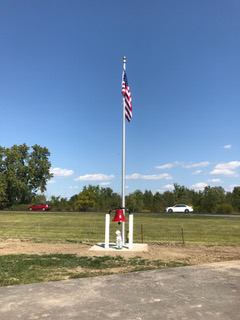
(127, 97)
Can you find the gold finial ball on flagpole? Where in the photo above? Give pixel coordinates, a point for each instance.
(124, 58)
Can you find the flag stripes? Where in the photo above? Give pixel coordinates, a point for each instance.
(127, 97)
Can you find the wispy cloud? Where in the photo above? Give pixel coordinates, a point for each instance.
(135, 176)
(61, 172)
(74, 187)
(105, 183)
(197, 165)
(51, 181)
(168, 186)
(94, 177)
(215, 180)
(197, 172)
(229, 165)
(183, 165)
(227, 146)
(164, 166)
(224, 172)
(199, 186)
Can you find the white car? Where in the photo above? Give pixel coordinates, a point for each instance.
(180, 208)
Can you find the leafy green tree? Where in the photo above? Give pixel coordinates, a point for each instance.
(168, 199)
(181, 194)
(212, 196)
(39, 198)
(60, 204)
(23, 173)
(131, 202)
(148, 200)
(236, 198)
(229, 198)
(88, 198)
(39, 168)
(134, 201)
(3, 192)
(224, 208)
(158, 203)
(108, 199)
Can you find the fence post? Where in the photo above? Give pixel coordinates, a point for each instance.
(142, 232)
(183, 241)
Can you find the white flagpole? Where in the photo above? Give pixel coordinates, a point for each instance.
(123, 157)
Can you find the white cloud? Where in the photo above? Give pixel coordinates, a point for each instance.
(215, 180)
(164, 166)
(94, 177)
(197, 172)
(224, 172)
(227, 146)
(226, 169)
(165, 176)
(168, 186)
(74, 187)
(199, 186)
(61, 172)
(196, 165)
(105, 183)
(229, 165)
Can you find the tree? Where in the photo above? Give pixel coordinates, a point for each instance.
(158, 203)
(168, 199)
(148, 200)
(108, 199)
(88, 198)
(236, 198)
(23, 173)
(3, 194)
(39, 168)
(211, 197)
(39, 198)
(181, 194)
(134, 201)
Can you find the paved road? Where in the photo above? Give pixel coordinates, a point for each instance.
(145, 213)
(209, 292)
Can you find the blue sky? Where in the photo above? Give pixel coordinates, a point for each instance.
(60, 80)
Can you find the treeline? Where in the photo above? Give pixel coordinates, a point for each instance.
(24, 171)
(94, 198)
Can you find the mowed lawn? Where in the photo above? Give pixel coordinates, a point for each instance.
(78, 227)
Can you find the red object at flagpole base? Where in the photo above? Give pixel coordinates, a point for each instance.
(119, 216)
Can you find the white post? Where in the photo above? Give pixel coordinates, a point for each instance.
(130, 243)
(107, 227)
(123, 156)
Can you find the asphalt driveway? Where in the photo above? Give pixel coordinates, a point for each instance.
(201, 292)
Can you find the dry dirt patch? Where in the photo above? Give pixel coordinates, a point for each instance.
(191, 254)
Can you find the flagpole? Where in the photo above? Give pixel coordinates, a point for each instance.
(123, 156)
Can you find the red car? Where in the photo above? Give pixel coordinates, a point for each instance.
(39, 206)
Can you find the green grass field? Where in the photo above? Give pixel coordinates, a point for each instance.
(22, 269)
(77, 227)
